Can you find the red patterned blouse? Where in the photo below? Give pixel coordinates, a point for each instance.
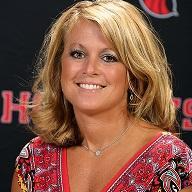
(163, 165)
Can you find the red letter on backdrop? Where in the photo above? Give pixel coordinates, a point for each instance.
(187, 111)
(177, 102)
(9, 107)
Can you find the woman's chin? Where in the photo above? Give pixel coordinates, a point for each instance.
(89, 108)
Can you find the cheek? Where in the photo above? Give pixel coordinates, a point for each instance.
(70, 68)
(119, 77)
(69, 71)
(65, 81)
(65, 75)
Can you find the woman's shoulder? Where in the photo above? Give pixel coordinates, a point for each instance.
(36, 160)
(38, 142)
(37, 147)
(170, 143)
(169, 148)
(170, 140)
(172, 159)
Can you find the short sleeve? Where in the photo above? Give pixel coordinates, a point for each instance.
(24, 168)
(176, 174)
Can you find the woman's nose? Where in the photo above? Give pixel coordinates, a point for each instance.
(91, 66)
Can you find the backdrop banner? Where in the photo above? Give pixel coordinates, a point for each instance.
(23, 26)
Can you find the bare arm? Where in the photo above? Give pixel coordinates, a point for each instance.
(15, 186)
(187, 189)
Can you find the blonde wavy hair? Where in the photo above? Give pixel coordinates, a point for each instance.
(138, 49)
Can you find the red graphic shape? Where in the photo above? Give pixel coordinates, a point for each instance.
(158, 6)
(9, 107)
(177, 101)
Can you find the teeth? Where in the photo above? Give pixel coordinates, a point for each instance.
(89, 86)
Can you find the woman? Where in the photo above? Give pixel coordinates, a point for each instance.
(104, 110)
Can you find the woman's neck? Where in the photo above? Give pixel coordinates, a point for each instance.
(101, 129)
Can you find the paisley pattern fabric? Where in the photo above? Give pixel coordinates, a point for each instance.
(163, 165)
(39, 167)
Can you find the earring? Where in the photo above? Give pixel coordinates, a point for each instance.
(131, 97)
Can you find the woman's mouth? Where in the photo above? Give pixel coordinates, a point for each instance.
(90, 86)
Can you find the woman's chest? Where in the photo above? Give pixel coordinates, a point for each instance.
(113, 174)
(91, 177)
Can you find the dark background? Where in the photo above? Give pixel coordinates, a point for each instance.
(23, 26)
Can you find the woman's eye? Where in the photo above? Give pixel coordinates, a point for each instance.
(77, 54)
(109, 58)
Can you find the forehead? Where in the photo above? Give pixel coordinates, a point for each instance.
(86, 32)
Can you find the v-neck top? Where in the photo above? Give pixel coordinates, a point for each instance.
(164, 164)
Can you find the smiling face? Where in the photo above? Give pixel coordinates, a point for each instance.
(92, 77)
